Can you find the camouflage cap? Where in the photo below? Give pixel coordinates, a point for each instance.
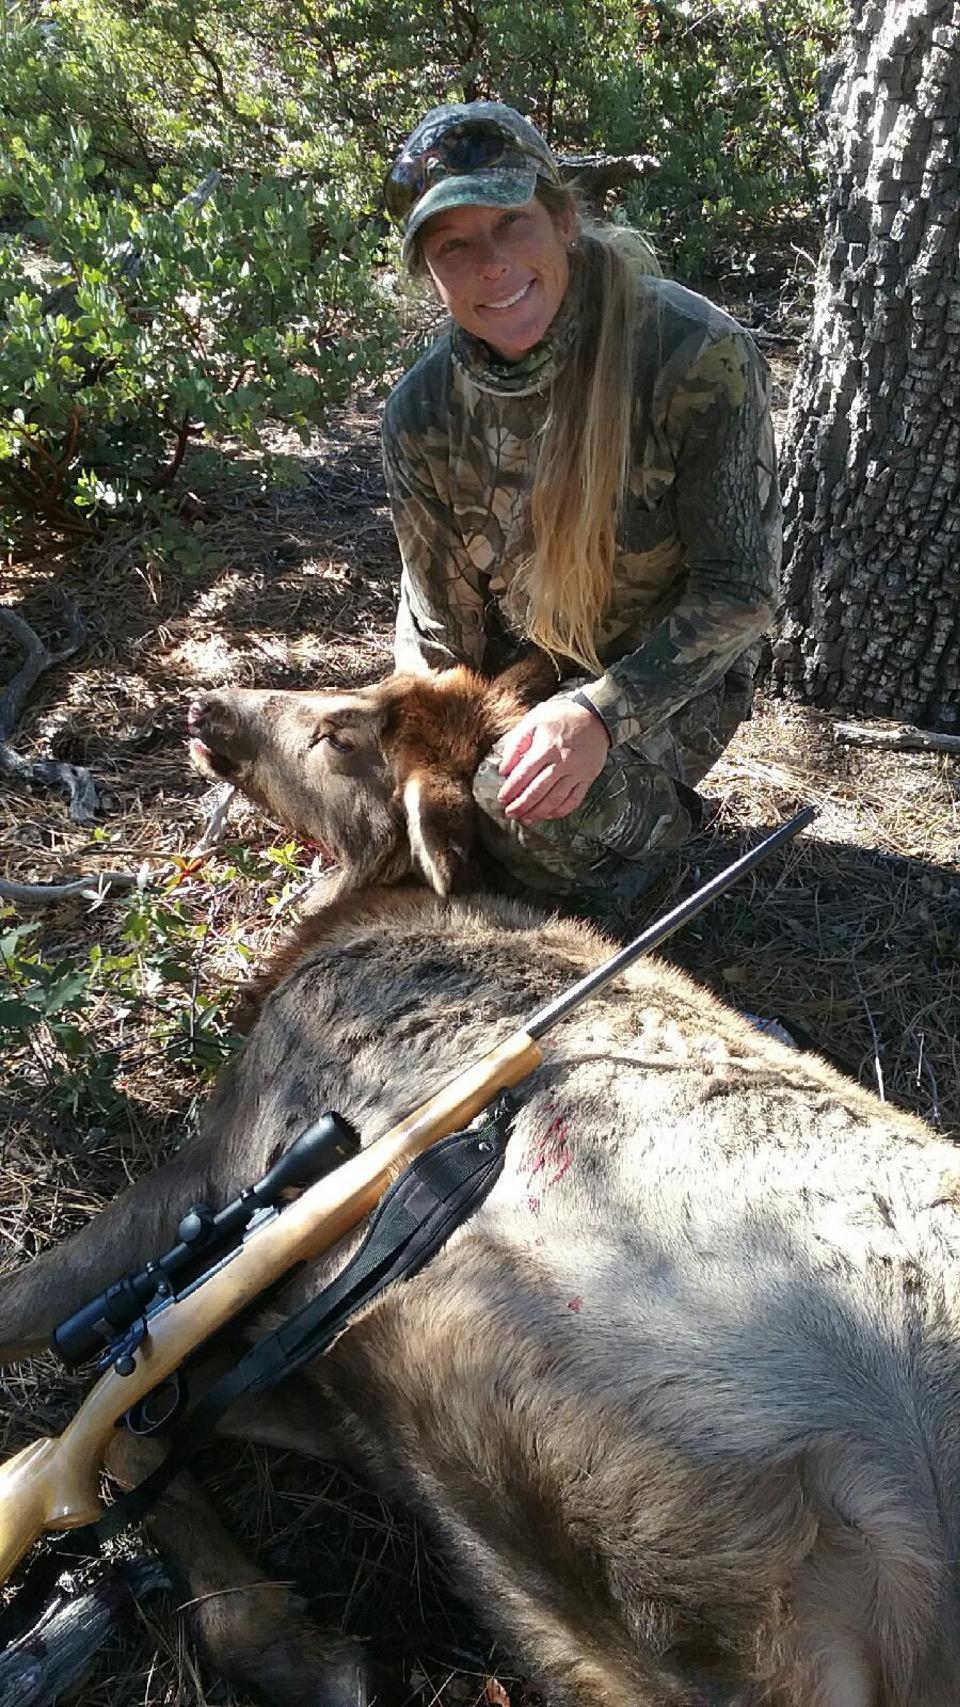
(476, 153)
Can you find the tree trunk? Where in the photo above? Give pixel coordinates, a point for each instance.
(872, 504)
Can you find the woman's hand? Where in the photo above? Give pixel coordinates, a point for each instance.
(550, 758)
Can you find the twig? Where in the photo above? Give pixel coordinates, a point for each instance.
(216, 822)
(902, 738)
(93, 888)
(924, 1068)
(296, 895)
(210, 59)
(167, 476)
(39, 658)
(877, 1064)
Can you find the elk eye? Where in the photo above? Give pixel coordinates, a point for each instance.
(331, 738)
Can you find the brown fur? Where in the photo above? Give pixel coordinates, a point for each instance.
(323, 925)
(459, 715)
(381, 776)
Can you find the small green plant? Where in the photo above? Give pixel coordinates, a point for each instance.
(75, 1032)
(42, 994)
(45, 1036)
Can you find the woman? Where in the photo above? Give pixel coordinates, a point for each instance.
(584, 460)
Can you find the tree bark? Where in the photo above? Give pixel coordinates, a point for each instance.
(871, 614)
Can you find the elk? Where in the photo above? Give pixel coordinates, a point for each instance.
(681, 1399)
(359, 772)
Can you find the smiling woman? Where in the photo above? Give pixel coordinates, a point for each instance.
(583, 462)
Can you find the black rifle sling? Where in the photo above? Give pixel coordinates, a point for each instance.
(415, 1217)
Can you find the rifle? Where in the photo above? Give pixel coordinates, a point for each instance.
(52, 1484)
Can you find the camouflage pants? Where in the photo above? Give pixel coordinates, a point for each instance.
(641, 806)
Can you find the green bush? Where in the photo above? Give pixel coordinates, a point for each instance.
(726, 95)
(136, 75)
(724, 91)
(140, 330)
(136, 324)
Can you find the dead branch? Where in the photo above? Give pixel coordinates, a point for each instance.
(97, 885)
(596, 175)
(204, 190)
(902, 738)
(216, 821)
(75, 780)
(93, 888)
(39, 658)
(54, 1657)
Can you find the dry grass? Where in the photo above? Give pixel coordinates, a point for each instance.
(851, 937)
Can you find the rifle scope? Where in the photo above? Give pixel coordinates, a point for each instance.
(202, 1237)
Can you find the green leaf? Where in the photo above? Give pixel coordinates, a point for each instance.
(18, 1016)
(74, 1042)
(11, 939)
(68, 991)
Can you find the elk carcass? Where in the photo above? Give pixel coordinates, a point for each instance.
(681, 1401)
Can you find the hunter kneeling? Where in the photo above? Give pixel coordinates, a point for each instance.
(585, 461)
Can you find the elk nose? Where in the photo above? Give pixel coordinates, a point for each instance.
(213, 715)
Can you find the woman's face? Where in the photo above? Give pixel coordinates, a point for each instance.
(501, 272)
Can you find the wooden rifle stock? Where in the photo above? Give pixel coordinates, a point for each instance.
(53, 1483)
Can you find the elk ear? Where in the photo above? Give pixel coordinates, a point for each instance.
(439, 813)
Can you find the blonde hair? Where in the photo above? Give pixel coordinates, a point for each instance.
(559, 593)
(562, 589)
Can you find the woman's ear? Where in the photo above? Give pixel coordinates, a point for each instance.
(566, 224)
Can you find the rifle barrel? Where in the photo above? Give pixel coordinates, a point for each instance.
(655, 934)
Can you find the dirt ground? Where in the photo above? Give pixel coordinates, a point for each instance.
(851, 938)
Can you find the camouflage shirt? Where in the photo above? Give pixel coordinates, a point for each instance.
(696, 574)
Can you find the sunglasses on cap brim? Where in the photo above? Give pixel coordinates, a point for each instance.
(452, 153)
